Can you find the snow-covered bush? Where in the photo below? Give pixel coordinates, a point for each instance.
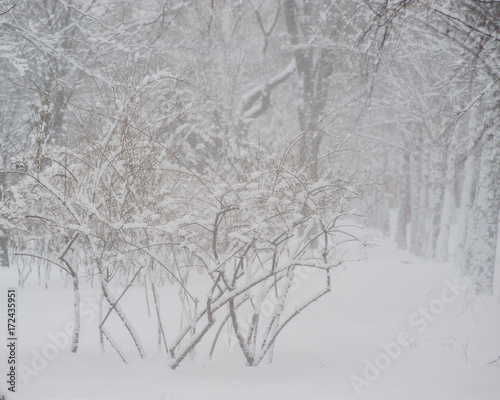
(263, 226)
(135, 197)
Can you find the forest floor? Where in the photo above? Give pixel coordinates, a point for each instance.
(395, 327)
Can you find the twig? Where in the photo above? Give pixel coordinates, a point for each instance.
(494, 361)
(10, 9)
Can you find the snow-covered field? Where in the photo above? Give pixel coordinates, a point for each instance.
(394, 327)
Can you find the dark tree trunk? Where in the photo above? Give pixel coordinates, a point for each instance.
(404, 204)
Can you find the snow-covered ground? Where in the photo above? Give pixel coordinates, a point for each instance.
(394, 327)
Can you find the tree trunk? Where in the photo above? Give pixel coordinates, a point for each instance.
(436, 198)
(404, 204)
(420, 204)
(480, 247)
(448, 203)
(314, 67)
(76, 330)
(468, 194)
(101, 333)
(4, 255)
